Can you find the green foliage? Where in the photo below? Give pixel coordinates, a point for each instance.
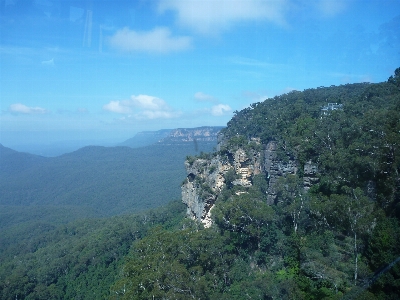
(75, 260)
(384, 243)
(396, 78)
(176, 265)
(212, 169)
(190, 159)
(382, 251)
(237, 142)
(245, 216)
(259, 185)
(230, 176)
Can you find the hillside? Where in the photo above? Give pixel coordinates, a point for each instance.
(75, 260)
(105, 180)
(102, 179)
(13, 162)
(301, 200)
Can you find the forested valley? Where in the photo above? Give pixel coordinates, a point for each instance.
(337, 239)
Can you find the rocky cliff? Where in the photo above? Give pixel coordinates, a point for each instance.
(237, 166)
(199, 134)
(204, 134)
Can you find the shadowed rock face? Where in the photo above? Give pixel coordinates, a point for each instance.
(204, 182)
(207, 176)
(275, 167)
(310, 175)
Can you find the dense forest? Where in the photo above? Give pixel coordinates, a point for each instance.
(338, 239)
(75, 260)
(103, 181)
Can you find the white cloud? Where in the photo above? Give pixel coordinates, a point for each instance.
(149, 102)
(212, 16)
(199, 96)
(159, 40)
(220, 109)
(23, 109)
(142, 107)
(118, 107)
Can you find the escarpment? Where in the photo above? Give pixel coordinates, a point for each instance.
(325, 141)
(236, 166)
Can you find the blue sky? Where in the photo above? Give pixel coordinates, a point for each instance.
(105, 70)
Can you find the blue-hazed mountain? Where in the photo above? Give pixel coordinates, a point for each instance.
(206, 135)
(104, 180)
(108, 180)
(12, 161)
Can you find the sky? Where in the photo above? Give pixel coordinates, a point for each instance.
(106, 69)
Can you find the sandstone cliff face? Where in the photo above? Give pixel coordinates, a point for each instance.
(246, 165)
(208, 176)
(204, 182)
(201, 134)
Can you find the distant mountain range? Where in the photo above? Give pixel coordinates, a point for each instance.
(207, 134)
(104, 180)
(101, 180)
(141, 139)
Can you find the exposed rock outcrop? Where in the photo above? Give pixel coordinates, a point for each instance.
(276, 167)
(310, 175)
(246, 165)
(204, 182)
(206, 179)
(207, 176)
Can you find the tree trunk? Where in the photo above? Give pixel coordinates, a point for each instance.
(356, 260)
